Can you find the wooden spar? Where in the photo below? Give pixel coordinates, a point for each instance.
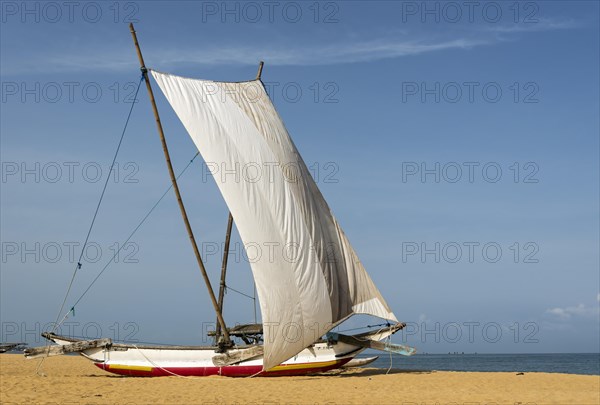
(45, 351)
(223, 274)
(237, 356)
(226, 339)
(260, 68)
(226, 251)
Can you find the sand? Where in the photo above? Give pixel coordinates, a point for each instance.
(75, 380)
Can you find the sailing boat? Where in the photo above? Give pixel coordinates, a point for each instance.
(305, 289)
(7, 347)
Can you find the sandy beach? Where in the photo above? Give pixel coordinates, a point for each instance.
(75, 380)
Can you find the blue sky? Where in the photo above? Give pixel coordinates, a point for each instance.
(446, 130)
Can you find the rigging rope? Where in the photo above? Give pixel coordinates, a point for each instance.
(254, 298)
(130, 236)
(111, 260)
(239, 292)
(367, 327)
(87, 237)
(389, 340)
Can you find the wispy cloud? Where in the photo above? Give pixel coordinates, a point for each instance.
(342, 52)
(318, 55)
(539, 25)
(329, 54)
(580, 310)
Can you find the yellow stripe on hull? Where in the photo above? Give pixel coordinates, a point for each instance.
(134, 368)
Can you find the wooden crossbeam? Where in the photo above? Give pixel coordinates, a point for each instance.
(236, 356)
(44, 351)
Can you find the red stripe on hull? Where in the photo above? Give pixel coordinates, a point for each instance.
(227, 371)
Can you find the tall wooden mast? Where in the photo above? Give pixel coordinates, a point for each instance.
(222, 284)
(226, 341)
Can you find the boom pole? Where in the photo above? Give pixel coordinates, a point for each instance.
(226, 339)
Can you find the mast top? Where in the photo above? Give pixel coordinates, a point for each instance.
(260, 68)
(138, 50)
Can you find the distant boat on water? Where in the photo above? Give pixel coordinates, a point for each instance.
(7, 347)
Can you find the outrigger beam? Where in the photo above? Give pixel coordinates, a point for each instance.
(46, 351)
(372, 344)
(226, 340)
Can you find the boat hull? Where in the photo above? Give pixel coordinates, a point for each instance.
(238, 370)
(131, 360)
(201, 361)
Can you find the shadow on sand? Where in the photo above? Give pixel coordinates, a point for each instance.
(369, 372)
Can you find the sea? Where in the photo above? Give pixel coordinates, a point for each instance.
(569, 363)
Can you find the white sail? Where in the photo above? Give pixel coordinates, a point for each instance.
(308, 276)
